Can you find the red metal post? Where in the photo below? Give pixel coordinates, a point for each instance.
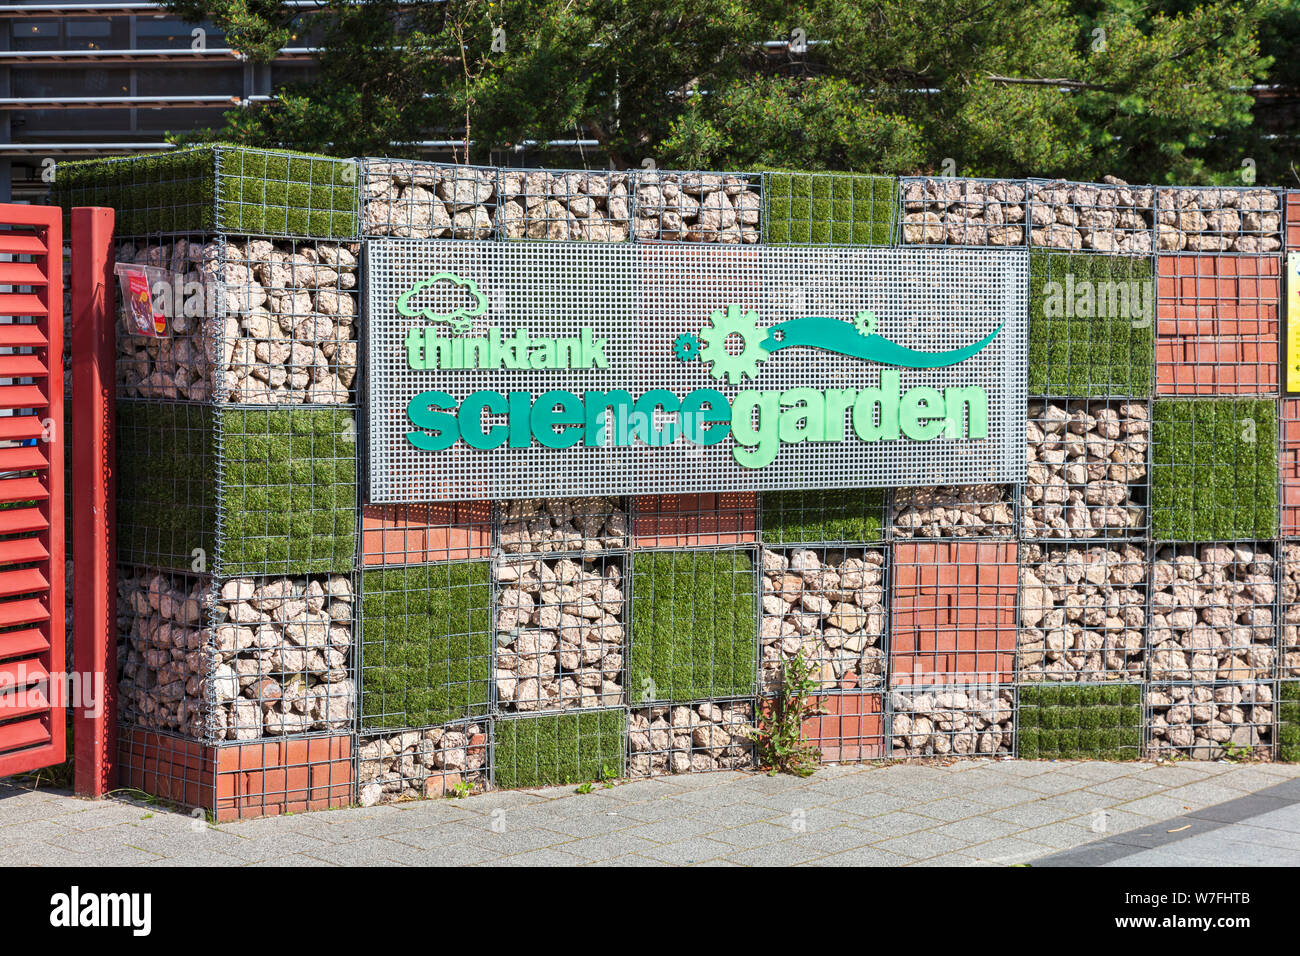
(94, 459)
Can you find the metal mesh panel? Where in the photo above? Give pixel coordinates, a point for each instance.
(415, 534)
(1083, 613)
(1289, 611)
(452, 760)
(548, 525)
(551, 749)
(1212, 219)
(829, 604)
(971, 212)
(691, 738)
(1087, 472)
(962, 720)
(698, 207)
(1079, 721)
(560, 633)
(823, 517)
(948, 511)
(426, 644)
(848, 727)
(1202, 719)
(594, 206)
(687, 521)
(933, 300)
(285, 194)
(1212, 614)
(828, 209)
(428, 200)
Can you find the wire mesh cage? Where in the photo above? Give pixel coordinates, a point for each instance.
(426, 644)
(584, 205)
(423, 533)
(1217, 219)
(847, 727)
(961, 720)
(423, 200)
(560, 633)
(1214, 470)
(971, 212)
(694, 625)
(828, 604)
(1288, 729)
(550, 525)
(698, 207)
(828, 209)
(1289, 462)
(691, 738)
(1079, 721)
(1202, 720)
(448, 761)
(1087, 471)
(1217, 329)
(685, 521)
(547, 750)
(953, 511)
(1289, 612)
(1091, 324)
(1083, 613)
(1212, 613)
(282, 652)
(823, 517)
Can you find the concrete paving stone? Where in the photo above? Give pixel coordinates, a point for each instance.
(511, 841)
(873, 804)
(1158, 806)
(1283, 840)
(1005, 852)
(694, 850)
(1205, 794)
(918, 846)
(1051, 784)
(751, 834)
(442, 834)
(1002, 795)
(1060, 836)
(669, 831)
(1126, 788)
(952, 808)
(731, 815)
(862, 856)
(1287, 821)
(1034, 814)
(1080, 801)
(544, 857)
(604, 846)
(900, 821)
(977, 829)
(1112, 819)
(785, 853)
(299, 860)
(948, 859)
(457, 854)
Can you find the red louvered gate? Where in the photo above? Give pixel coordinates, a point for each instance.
(32, 683)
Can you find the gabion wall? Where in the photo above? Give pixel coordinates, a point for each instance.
(1137, 596)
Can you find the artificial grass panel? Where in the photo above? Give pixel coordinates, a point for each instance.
(559, 749)
(166, 486)
(426, 637)
(289, 491)
(825, 517)
(1288, 724)
(1214, 469)
(1102, 351)
(829, 209)
(694, 627)
(218, 188)
(1069, 722)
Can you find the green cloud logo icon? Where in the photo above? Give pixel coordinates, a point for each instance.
(459, 318)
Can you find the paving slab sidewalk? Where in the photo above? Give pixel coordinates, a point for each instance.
(966, 813)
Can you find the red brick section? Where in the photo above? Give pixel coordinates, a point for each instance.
(686, 521)
(412, 534)
(953, 612)
(264, 778)
(1217, 327)
(1293, 219)
(1290, 466)
(849, 727)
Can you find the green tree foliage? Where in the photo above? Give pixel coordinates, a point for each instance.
(1155, 91)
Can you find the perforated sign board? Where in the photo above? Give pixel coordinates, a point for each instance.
(558, 369)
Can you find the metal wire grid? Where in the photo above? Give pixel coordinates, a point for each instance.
(691, 738)
(264, 193)
(1110, 217)
(449, 760)
(539, 287)
(421, 200)
(286, 775)
(546, 526)
(281, 652)
(718, 207)
(571, 747)
(425, 651)
(560, 633)
(1088, 470)
(1083, 613)
(1289, 470)
(421, 534)
(1214, 470)
(969, 720)
(590, 205)
(687, 521)
(693, 632)
(835, 209)
(1092, 325)
(953, 511)
(1218, 327)
(953, 613)
(1080, 721)
(824, 518)
(1202, 720)
(156, 193)
(848, 727)
(828, 604)
(1213, 614)
(1289, 611)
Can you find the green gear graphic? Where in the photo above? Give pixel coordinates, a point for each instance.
(866, 322)
(738, 322)
(687, 347)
